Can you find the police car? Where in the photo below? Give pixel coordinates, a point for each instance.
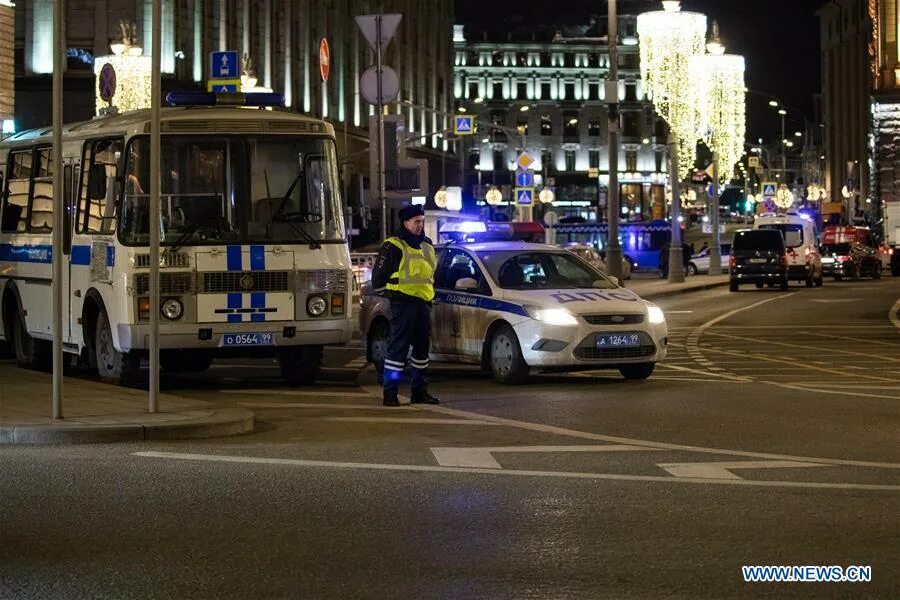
(517, 307)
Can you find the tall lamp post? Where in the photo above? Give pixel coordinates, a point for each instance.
(613, 249)
(668, 38)
(720, 97)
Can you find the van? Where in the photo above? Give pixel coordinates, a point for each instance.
(802, 250)
(759, 257)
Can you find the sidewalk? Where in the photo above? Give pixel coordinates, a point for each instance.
(656, 287)
(96, 413)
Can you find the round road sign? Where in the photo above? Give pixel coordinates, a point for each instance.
(324, 59)
(106, 82)
(390, 85)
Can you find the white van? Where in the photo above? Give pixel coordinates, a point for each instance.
(799, 233)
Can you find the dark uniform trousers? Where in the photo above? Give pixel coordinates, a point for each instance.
(410, 327)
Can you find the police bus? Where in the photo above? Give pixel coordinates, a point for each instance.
(253, 259)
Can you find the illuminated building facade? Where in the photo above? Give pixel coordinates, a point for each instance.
(548, 91)
(7, 67)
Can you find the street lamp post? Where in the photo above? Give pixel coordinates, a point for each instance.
(613, 249)
(676, 254)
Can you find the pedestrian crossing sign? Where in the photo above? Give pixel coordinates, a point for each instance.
(768, 189)
(524, 196)
(464, 125)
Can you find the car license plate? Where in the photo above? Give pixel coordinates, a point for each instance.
(759, 260)
(247, 339)
(618, 340)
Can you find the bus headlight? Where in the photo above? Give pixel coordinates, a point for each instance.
(655, 315)
(172, 309)
(316, 305)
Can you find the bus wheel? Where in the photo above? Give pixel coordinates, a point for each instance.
(120, 368)
(300, 365)
(185, 361)
(30, 353)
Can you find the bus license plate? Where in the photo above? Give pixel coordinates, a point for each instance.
(247, 339)
(618, 340)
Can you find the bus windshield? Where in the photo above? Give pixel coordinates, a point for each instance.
(234, 189)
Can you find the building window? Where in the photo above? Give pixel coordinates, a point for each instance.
(594, 159)
(473, 89)
(570, 125)
(593, 91)
(570, 91)
(522, 90)
(522, 126)
(499, 160)
(631, 161)
(594, 128)
(546, 125)
(545, 91)
(631, 126)
(546, 160)
(497, 90)
(631, 92)
(570, 160)
(474, 158)
(570, 59)
(660, 161)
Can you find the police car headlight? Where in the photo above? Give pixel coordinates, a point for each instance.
(172, 309)
(553, 316)
(655, 315)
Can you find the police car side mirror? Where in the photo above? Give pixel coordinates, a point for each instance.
(466, 284)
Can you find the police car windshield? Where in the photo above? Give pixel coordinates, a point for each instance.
(533, 270)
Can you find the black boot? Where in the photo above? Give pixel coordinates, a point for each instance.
(390, 397)
(421, 396)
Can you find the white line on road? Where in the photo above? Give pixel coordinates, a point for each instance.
(413, 421)
(854, 339)
(789, 386)
(817, 349)
(707, 373)
(679, 312)
(482, 458)
(297, 393)
(512, 473)
(832, 300)
(731, 313)
(720, 470)
(318, 405)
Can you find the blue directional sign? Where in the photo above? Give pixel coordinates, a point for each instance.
(223, 88)
(524, 196)
(768, 189)
(224, 64)
(464, 125)
(525, 179)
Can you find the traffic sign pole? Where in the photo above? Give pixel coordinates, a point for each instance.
(613, 250)
(380, 141)
(676, 254)
(58, 213)
(155, 159)
(715, 254)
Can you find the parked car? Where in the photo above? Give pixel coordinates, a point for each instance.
(515, 307)
(758, 256)
(590, 254)
(700, 261)
(851, 260)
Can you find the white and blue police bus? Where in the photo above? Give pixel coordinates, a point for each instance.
(253, 258)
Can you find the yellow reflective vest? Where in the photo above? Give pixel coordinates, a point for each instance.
(415, 273)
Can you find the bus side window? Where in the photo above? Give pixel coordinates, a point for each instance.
(97, 198)
(41, 215)
(15, 197)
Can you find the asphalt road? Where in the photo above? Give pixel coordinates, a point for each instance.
(768, 437)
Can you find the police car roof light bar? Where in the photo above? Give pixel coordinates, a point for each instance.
(191, 98)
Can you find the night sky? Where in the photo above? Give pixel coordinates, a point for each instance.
(779, 39)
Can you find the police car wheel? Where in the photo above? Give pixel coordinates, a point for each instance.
(506, 362)
(640, 371)
(692, 269)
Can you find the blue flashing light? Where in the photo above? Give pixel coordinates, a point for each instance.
(464, 227)
(189, 98)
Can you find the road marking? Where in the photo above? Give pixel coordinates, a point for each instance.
(509, 472)
(720, 470)
(678, 312)
(731, 313)
(827, 391)
(317, 405)
(413, 421)
(241, 366)
(894, 314)
(854, 339)
(833, 300)
(848, 385)
(297, 393)
(707, 373)
(481, 458)
(359, 361)
(802, 346)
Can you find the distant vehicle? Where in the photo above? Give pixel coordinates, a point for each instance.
(640, 242)
(700, 261)
(891, 228)
(851, 260)
(591, 255)
(514, 307)
(758, 256)
(801, 248)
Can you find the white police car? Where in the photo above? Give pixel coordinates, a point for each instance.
(514, 307)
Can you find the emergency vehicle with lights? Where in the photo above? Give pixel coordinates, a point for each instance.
(254, 258)
(804, 263)
(515, 307)
(891, 228)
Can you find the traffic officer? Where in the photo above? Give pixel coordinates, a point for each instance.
(404, 273)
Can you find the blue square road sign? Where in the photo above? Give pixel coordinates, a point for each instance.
(525, 179)
(224, 64)
(464, 125)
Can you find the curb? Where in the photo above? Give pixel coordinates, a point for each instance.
(221, 423)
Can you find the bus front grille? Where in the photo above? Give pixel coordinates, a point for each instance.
(247, 281)
(170, 284)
